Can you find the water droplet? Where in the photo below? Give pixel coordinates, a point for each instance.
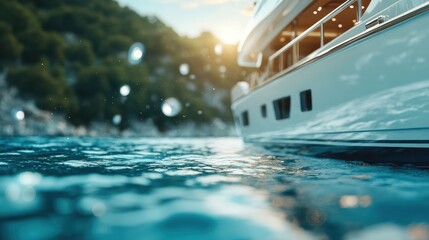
(125, 90)
(20, 115)
(218, 49)
(171, 107)
(136, 53)
(184, 69)
(117, 119)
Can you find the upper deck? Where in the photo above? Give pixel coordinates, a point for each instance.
(269, 18)
(282, 21)
(277, 44)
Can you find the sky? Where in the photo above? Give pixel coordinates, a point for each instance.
(226, 19)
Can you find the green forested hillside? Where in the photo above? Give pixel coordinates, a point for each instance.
(71, 57)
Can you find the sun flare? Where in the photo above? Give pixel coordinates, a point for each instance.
(229, 39)
(228, 35)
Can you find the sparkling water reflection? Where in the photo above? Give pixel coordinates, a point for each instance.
(130, 188)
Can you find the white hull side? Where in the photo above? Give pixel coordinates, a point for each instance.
(374, 90)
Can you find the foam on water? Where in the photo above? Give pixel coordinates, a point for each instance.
(215, 188)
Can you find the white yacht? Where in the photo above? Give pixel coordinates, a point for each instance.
(344, 79)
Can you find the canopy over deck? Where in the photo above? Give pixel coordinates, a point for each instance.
(269, 18)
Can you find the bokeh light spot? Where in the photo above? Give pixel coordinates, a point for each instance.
(218, 49)
(125, 90)
(117, 119)
(171, 107)
(136, 53)
(20, 115)
(184, 69)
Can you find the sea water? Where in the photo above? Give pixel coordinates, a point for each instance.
(208, 188)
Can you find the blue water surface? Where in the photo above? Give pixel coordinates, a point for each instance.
(205, 188)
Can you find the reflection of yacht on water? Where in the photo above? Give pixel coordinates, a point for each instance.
(337, 78)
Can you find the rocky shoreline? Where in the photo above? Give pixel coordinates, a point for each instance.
(22, 118)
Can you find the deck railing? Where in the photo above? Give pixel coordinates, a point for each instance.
(294, 44)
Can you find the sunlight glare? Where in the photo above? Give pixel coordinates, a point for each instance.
(228, 35)
(229, 39)
(218, 49)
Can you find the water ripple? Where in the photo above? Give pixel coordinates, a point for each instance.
(216, 188)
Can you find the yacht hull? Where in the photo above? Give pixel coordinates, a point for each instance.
(370, 100)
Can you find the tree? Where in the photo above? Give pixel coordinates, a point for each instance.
(116, 44)
(36, 82)
(35, 42)
(18, 16)
(85, 41)
(56, 47)
(69, 18)
(10, 48)
(81, 52)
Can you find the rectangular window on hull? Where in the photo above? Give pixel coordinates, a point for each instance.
(306, 101)
(264, 111)
(245, 118)
(282, 108)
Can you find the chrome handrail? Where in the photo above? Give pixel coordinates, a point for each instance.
(318, 24)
